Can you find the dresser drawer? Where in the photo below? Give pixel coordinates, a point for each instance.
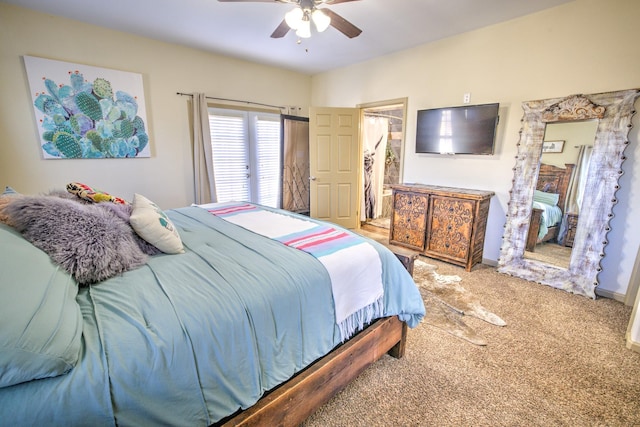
(450, 227)
(409, 221)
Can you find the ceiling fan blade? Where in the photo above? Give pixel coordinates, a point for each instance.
(342, 25)
(338, 1)
(281, 31)
(249, 1)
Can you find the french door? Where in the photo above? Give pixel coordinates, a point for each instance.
(246, 151)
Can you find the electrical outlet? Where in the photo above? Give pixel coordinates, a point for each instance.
(466, 98)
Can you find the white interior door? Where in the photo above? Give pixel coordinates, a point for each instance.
(335, 165)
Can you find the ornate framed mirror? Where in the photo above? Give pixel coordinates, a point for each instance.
(613, 112)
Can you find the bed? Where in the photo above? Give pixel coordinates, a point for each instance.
(225, 326)
(548, 204)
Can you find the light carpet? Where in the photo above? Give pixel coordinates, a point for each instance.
(447, 303)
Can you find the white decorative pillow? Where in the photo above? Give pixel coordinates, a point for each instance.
(153, 225)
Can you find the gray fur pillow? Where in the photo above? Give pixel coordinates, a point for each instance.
(88, 241)
(122, 211)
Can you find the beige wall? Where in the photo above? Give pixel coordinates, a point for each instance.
(585, 46)
(574, 135)
(167, 176)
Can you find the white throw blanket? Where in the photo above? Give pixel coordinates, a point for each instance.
(353, 264)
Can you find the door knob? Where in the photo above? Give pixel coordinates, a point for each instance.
(312, 178)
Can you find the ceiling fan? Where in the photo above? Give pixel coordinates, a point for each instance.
(299, 19)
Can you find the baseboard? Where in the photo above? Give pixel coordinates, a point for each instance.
(633, 346)
(611, 295)
(491, 262)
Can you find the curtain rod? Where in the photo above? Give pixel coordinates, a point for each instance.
(388, 116)
(234, 100)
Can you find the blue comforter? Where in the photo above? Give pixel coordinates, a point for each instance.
(551, 216)
(189, 339)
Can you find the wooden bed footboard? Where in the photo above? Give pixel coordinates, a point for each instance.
(551, 179)
(534, 229)
(294, 401)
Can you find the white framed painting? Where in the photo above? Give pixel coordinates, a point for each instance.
(85, 112)
(552, 146)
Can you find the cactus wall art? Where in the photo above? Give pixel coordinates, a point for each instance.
(85, 112)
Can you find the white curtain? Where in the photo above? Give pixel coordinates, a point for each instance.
(204, 182)
(375, 135)
(575, 191)
(579, 180)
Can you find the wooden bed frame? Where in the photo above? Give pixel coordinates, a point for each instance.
(295, 400)
(551, 179)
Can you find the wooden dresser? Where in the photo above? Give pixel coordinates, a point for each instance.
(445, 223)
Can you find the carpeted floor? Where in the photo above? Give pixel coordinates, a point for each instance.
(551, 253)
(560, 360)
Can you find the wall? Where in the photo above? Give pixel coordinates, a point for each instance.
(166, 177)
(586, 46)
(574, 135)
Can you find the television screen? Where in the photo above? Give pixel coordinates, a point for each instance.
(468, 129)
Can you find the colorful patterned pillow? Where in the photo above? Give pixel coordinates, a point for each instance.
(154, 226)
(7, 196)
(87, 193)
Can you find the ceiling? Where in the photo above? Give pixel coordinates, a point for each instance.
(242, 29)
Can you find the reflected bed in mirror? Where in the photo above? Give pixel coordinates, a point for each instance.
(587, 205)
(563, 172)
(545, 241)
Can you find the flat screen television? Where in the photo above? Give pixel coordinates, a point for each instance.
(468, 129)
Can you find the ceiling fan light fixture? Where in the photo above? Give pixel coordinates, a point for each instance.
(293, 18)
(321, 20)
(304, 29)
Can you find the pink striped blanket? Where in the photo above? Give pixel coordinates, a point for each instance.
(353, 264)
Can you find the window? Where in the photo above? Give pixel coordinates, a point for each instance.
(246, 156)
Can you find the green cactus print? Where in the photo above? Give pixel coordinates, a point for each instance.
(67, 145)
(102, 88)
(85, 120)
(163, 218)
(89, 105)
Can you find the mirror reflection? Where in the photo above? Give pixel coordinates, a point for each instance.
(611, 112)
(559, 191)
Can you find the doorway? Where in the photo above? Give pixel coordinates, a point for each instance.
(383, 129)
